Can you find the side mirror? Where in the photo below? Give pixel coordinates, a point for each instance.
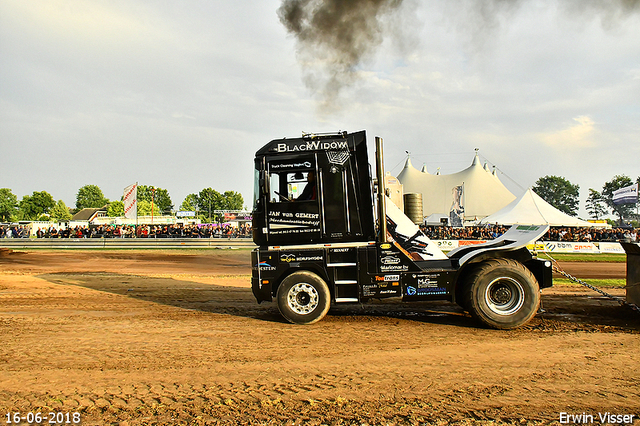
(262, 183)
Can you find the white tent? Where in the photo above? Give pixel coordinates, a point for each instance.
(482, 191)
(530, 208)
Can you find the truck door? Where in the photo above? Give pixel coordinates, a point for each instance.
(293, 201)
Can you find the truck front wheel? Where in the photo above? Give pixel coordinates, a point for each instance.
(502, 293)
(303, 298)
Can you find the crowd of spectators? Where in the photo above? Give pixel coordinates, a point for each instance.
(554, 234)
(14, 231)
(217, 231)
(466, 233)
(130, 231)
(591, 234)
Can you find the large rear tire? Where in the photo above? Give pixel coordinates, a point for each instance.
(502, 293)
(303, 298)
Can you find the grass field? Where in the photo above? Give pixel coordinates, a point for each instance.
(604, 283)
(585, 257)
(567, 257)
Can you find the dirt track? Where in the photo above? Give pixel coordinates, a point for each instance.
(162, 338)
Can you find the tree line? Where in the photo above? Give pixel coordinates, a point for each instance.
(563, 195)
(556, 190)
(42, 206)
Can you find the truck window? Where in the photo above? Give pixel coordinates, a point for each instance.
(274, 188)
(287, 187)
(302, 186)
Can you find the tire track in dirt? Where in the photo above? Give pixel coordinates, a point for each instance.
(157, 348)
(217, 404)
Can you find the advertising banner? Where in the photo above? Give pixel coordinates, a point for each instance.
(130, 200)
(238, 216)
(471, 242)
(446, 245)
(456, 213)
(626, 195)
(570, 247)
(607, 247)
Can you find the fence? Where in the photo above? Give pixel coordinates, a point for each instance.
(128, 243)
(132, 243)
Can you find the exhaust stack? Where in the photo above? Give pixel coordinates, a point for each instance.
(382, 192)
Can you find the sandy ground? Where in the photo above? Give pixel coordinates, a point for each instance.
(145, 337)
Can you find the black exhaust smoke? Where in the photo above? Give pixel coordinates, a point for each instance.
(335, 37)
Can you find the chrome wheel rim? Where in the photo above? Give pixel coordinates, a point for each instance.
(303, 298)
(504, 296)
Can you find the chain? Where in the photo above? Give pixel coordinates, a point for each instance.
(620, 300)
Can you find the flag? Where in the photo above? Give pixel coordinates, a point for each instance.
(456, 213)
(130, 199)
(626, 195)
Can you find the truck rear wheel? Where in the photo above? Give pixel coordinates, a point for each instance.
(303, 298)
(502, 293)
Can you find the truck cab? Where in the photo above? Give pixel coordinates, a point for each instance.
(314, 189)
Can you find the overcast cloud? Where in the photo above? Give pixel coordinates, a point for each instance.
(180, 95)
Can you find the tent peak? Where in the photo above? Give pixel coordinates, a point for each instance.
(476, 159)
(408, 165)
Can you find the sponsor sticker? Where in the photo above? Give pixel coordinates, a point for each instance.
(305, 164)
(312, 146)
(390, 260)
(387, 278)
(413, 291)
(289, 257)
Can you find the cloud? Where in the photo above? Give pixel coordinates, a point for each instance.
(181, 95)
(579, 135)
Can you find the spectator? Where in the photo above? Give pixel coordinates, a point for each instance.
(209, 230)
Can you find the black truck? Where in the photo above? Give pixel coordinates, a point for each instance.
(327, 233)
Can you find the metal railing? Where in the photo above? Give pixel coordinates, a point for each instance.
(130, 243)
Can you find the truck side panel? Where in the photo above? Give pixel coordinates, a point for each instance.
(354, 273)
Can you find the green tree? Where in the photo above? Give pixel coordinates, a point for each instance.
(144, 208)
(90, 197)
(232, 200)
(209, 200)
(161, 199)
(190, 203)
(34, 206)
(8, 205)
(622, 210)
(115, 209)
(595, 205)
(60, 212)
(558, 192)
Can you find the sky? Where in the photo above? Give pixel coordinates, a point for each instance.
(180, 95)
